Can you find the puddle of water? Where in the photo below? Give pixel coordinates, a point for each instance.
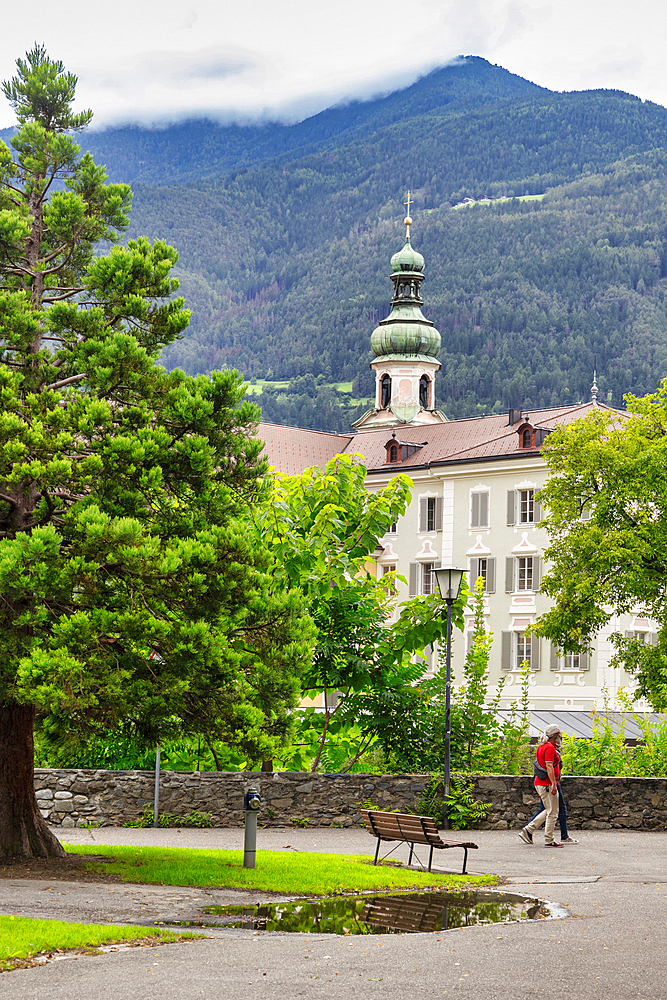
(405, 913)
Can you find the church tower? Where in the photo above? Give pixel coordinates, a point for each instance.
(406, 347)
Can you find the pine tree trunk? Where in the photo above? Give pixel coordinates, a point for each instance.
(23, 831)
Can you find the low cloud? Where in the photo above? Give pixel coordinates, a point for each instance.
(260, 61)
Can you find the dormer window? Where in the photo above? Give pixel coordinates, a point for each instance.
(532, 437)
(385, 391)
(398, 451)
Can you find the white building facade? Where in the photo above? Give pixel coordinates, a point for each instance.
(474, 505)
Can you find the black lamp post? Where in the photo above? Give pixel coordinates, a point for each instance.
(449, 585)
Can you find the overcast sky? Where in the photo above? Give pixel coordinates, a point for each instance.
(149, 62)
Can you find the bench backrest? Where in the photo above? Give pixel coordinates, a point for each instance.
(401, 826)
(405, 913)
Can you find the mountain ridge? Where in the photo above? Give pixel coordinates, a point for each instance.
(285, 263)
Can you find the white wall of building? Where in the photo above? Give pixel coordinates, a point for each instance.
(455, 540)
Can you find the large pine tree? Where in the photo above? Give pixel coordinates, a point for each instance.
(129, 586)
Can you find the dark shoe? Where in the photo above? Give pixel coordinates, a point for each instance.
(569, 840)
(526, 836)
(553, 845)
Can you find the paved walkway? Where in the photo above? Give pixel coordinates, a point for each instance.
(611, 947)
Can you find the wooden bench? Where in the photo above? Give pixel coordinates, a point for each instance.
(410, 830)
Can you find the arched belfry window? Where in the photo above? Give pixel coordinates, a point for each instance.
(424, 383)
(385, 391)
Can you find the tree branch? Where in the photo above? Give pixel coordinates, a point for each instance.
(66, 381)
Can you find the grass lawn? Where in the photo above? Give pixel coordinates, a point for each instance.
(499, 201)
(259, 384)
(21, 939)
(300, 873)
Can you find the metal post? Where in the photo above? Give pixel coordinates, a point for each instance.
(448, 709)
(251, 805)
(156, 803)
(250, 839)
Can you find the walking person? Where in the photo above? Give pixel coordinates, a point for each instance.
(565, 837)
(547, 773)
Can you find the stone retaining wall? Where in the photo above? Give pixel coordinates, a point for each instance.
(598, 803)
(71, 798)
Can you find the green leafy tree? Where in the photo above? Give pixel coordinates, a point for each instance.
(607, 520)
(323, 527)
(130, 587)
(480, 741)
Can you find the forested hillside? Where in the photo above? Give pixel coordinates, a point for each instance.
(285, 235)
(204, 150)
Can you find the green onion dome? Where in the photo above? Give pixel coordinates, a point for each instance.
(405, 335)
(407, 259)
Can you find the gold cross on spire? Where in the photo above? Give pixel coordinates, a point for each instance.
(407, 221)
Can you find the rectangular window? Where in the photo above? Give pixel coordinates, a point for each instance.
(486, 568)
(389, 568)
(428, 578)
(526, 507)
(479, 509)
(569, 661)
(392, 529)
(430, 514)
(523, 650)
(524, 573)
(650, 637)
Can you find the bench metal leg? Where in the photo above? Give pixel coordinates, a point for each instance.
(412, 847)
(377, 851)
(430, 858)
(465, 860)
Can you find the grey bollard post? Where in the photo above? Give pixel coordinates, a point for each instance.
(251, 805)
(156, 800)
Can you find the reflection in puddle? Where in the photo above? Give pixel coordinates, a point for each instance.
(404, 913)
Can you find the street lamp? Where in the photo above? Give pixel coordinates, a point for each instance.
(449, 585)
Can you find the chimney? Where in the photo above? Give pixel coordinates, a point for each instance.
(515, 415)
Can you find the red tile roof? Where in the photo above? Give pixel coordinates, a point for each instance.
(290, 450)
(474, 438)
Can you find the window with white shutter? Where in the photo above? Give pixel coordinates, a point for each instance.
(490, 584)
(486, 568)
(511, 506)
(569, 661)
(506, 642)
(509, 574)
(527, 650)
(423, 514)
(430, 514)
(479, 509)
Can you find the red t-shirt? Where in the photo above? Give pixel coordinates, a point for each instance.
(547, 752)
